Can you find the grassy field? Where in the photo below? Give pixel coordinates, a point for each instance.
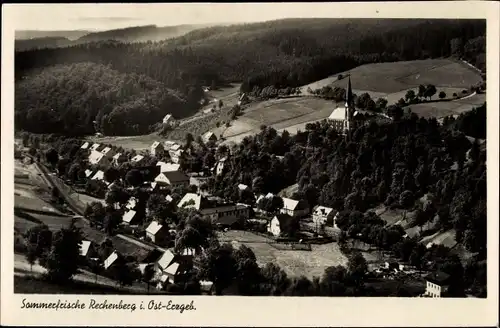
(446, 108)
(295, 263)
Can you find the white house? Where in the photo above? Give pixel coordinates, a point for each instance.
(132, 203)
(99, 175)
(118, 159)
(437, 284)
(87, 249)
(226, 214)
(137, 159)
(157, 149)
(322, 213)
(172, 178)
(97, 157)
(156, 232)
(278, 222)
(168, 167)
(219, 166)
(85, 145)
(88, 173)
(295, 208)
(209, 136)
(242, 187)
(95, 146)
(168, 119)
(110, 260)
(168, 144)
(129, 217)
(107, 151)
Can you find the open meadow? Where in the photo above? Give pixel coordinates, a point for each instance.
(294, 262)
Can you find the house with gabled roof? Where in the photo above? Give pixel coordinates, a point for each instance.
(168, 167)
(283, 224)
(157, 149)
(130, 217)
(158, 233)
(87, 249)
(172, 179)
(209, 136)
(168, 119)
(132, 203)
(96, 157)
(295, 208)
(111, 260)
(437, 284)
(95, 147)
(88, 173)
(137, 159)
(322, 213)
(85, 145)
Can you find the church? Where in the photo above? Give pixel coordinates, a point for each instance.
(343, 119)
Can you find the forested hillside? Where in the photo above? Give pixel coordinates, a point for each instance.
(281, 53)
(67, 99)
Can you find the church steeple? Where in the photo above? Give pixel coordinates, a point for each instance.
(349, 95)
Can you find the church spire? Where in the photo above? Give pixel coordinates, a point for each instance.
(349, 96)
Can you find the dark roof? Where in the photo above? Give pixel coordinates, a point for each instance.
(438, 278)
(176, 176)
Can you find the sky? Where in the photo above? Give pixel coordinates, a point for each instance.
(109, 16)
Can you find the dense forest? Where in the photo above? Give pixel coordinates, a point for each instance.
(392, 163)
(284, 53)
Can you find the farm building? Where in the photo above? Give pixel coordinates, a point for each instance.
(168, 167)
(321, 214)
(226, 215)
(137, 159)
(157, 233)
(209, 136)
(85, 145)
(173, 179)
(295, 208)
(283, 224)
(108, 152)
(95, 147)
(97, 157)
(157, 149)
(437, 284)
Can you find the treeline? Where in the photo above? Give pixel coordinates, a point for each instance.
(286, 53)
(85, 98)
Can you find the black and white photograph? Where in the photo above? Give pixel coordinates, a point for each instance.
(161, 154)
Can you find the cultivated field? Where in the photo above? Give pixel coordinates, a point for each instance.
(138, 143)
(446, 108)
(295, 263)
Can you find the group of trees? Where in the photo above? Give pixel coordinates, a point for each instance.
(128, 87)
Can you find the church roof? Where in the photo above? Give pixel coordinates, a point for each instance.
(338, 114)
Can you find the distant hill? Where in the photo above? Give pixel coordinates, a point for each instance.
(44, 42)
(140, 33)
(31, 34)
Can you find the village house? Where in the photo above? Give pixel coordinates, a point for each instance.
(87, 250)
(111, 260)
(168, 167)
(95, 147)
(168, 144)
(171, 268)
(137, 159)
(131, 204)
(88, 173)
(219, 166)
(295, 208)
(437, 284)
(99, 175)
(97, 157)
(283, 224)
(243, 99)
(118, 159)
(158, 233)
(209, 137)
(108, 152)
(242, 187)
(130, 218)
(321, 214)
(157, 149)
(169, 119)
(172, 179)
(85, 145)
